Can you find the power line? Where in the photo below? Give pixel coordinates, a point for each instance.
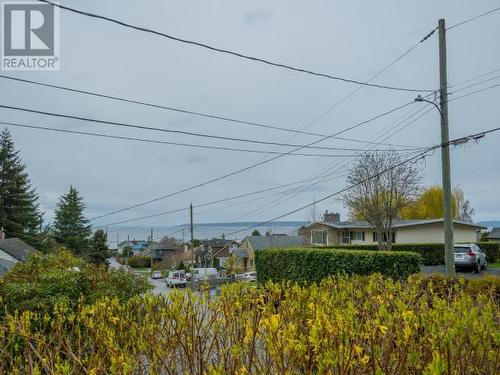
(380, 72)
(352, 93)
(328, 196)
(185, 111)
(321, 177)
(223, 200)
(476, 77)
(153, 141)
(158, 106)
(476, 137)
(233, 53)
(475, 84)
(473, 18)
(474, 92)
(252, 165)
(171, 131)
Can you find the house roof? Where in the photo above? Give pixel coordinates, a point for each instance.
(224, 252)
(494, 234)
(16, 248)
(158, 246)
(265, 242)
(217, 243)
(5, 265)
(361, 224)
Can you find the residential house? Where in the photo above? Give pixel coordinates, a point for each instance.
(136, 245)
(12, 251)
(159, 251)
(251, 244)
(217, 251)
(494, 235)
(331, 231)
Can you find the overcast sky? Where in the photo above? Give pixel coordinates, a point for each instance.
(353, 39)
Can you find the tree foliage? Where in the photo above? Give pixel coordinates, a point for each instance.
(233, 265)
(71, 228)
(381, 186)
(429, 205)
(44, 280)
(99, 250)
(256, 233)
(20, 214)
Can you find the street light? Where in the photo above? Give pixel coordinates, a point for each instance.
(446, 176)
(420, 99)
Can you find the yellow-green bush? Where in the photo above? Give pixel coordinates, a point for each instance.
(345, 325)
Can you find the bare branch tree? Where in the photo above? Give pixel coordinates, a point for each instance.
(381, 188)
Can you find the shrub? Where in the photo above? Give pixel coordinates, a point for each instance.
(313, 265)
(492, 251)
(432, 254)
(42, 281)
(349, 325)
(139, 262)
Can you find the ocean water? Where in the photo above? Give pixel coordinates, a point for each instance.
(202, 231)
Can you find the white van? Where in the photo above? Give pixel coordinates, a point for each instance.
(205, 274)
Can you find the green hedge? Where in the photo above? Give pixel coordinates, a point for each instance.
(432, 254)
(313, 265)
(139, 262)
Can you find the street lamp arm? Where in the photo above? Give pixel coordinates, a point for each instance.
(422, 99)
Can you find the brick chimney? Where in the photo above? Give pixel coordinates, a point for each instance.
(331, 217)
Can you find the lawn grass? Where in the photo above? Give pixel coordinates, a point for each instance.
(494, 265)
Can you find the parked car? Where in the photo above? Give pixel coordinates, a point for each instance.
(176, 278)
(249, 276)
(205, 274)
(156, 275)
(470, 256)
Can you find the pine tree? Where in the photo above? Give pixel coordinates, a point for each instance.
(71, 228)
(100, 250)
(20, 214)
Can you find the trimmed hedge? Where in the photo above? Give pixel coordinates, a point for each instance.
(432, 254)
(139, 262)
(305, 265)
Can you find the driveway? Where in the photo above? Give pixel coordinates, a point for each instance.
(428, 270)
(113, 264)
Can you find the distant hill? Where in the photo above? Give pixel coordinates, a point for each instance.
(490, 223)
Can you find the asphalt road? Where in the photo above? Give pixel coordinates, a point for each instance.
(428, 270)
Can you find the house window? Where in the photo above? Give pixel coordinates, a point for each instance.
(346, 237)
(384, 237)
(319, 237)
(358, 236)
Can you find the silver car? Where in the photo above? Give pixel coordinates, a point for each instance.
(470, 256)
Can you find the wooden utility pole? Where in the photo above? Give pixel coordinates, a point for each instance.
(152, 251)
(445, 153)
(128, 249)
(192, 242)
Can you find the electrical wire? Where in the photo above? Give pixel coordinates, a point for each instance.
(244, 169)
(474, 92)
(173, 109)
(233, 53)
(475, 84)
(475, 77)
(170, 131)
(473, 18)
(419, 156)
(153, 141)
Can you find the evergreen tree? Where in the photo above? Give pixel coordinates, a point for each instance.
(100, 250)
(20, 214)
(71, 228)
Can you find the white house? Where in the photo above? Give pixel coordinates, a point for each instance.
(335, 232)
